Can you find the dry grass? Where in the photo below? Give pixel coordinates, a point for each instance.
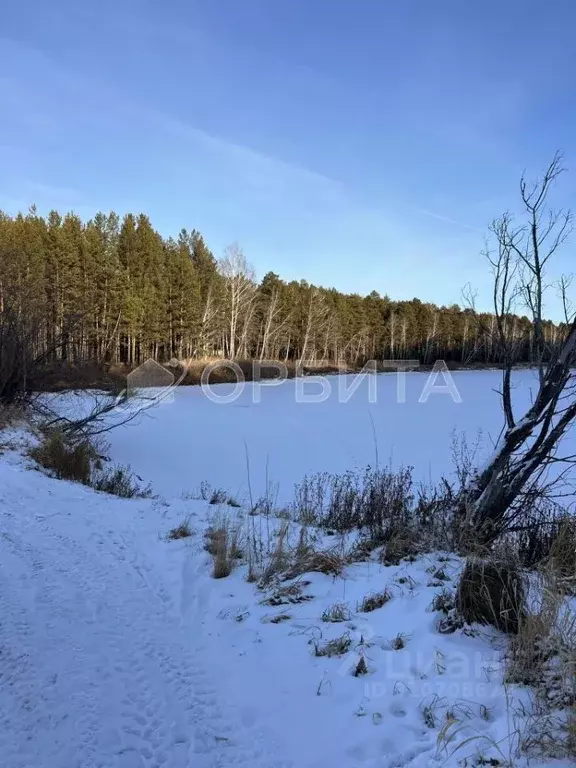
(531, 648)
(223, 564)
(562, 557)
(337, 613)
(374, 600)
(182, 531)
(278, 618)
(429, 708)
(400, 545)
(329, 562)
(213, 538)
(280, 557)
(443, 601)
(399, 642)
(10, 414)
(338, 646)
(121, 481)
(288, 594)
(492, 591)
(68, 460)
(361, 667)
(223, 541)
(543, 656)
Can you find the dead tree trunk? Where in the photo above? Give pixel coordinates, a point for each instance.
(493, 500)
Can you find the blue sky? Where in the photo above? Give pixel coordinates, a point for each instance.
(364, 145)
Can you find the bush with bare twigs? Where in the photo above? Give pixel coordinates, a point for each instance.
(383, 505)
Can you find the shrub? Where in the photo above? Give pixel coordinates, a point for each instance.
(66, 458)
(373, 500)
(492, 591)
(380, 503)
(120, 481)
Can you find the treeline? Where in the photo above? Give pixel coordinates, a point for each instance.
(114, 290)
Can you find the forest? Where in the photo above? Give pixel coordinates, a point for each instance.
(113, 290)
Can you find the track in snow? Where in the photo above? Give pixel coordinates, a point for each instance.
(99, 665)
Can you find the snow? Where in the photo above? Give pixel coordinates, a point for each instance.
(118, 649)
(104, 655)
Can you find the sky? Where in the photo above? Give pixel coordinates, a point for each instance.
(362, 145)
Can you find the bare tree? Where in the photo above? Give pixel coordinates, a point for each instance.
(498, 498)
(241, 292)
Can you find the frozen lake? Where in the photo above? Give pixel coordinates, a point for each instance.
(294, 428)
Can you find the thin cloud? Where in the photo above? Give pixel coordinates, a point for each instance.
(448, 220)
(260, 170)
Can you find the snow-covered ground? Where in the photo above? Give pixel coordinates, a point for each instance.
(118, 649)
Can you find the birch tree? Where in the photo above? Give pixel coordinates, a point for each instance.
(240, 295)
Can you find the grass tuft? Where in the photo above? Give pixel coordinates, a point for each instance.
(337, 613)
(67, 459)
(338, 646)
(288, 594)
(121, 481)
(399, 642)
(361, 667)
(374, 600)
(443, 601)
(492, 591)
(182, 531)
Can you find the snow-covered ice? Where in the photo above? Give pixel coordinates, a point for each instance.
(286, 434)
